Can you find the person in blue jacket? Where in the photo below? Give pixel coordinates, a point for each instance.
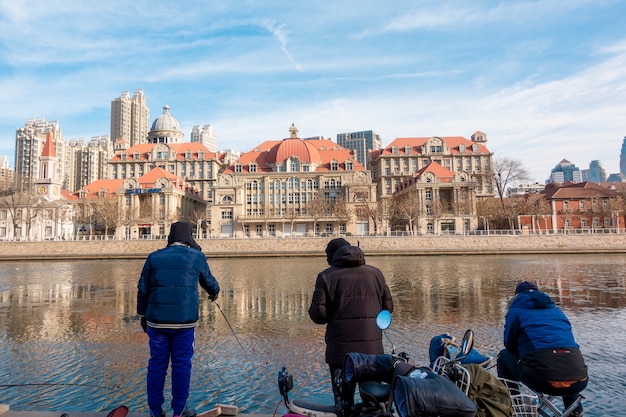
(540, 349)
(167, 304)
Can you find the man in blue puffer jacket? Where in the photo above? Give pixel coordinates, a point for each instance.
(167, 303)
(540, 349)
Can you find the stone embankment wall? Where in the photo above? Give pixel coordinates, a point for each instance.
(278, 247)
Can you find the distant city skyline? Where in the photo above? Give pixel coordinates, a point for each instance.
(544, 80)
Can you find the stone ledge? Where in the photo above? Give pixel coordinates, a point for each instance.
(288, 247)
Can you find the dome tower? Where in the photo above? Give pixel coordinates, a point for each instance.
(165, 129)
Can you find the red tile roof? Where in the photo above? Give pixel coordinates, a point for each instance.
(321, 152)
(144, 149)
(576, 190)
(416, 144)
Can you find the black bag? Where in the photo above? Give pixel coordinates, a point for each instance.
(430, 394)
(359, 367)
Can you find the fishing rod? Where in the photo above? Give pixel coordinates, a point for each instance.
(231, 327)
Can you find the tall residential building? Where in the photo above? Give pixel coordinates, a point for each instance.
(130, 118)
(6, 173)
(595, 173)
(88, 161)
(361, 143)
(622, 158)
(29, 143)
(565, 171)
(205, 136)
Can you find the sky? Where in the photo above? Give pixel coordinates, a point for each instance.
(545, 80)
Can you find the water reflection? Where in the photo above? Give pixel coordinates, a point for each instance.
(70, 327)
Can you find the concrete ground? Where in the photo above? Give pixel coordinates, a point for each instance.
(6, 412)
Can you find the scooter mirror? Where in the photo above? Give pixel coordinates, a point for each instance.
(383, 320)
(467, 343)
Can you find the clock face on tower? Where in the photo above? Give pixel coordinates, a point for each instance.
(41, 189)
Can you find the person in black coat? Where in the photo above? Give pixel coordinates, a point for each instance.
(347, 298)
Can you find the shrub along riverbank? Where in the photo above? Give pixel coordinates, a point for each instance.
(280, 247)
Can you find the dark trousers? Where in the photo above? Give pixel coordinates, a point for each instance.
(175, 346)
(510, 367)
(343, 391)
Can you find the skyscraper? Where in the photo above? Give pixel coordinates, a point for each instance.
(130, 118)
(595, 173)
(565, 171)
(361, 143)
(622, 158)
(205, 136)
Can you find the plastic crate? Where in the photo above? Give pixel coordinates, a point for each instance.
(525, 402)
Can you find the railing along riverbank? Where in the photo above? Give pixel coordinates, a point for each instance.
(315, 246)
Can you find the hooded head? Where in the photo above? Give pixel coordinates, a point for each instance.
(181, 232)
(333, 246)
(526, 286)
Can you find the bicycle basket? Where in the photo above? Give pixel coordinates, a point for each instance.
(525, 402)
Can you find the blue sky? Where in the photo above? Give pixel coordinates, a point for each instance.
(545, 80)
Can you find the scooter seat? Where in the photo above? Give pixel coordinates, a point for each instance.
(374, 392)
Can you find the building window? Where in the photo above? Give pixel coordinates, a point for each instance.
(334, 166)
(259, 230)
(252, 167)
(227, 214)
(272, 229)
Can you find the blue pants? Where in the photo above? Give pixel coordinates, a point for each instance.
(177, 346)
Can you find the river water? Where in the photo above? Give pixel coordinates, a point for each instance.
(71, 342)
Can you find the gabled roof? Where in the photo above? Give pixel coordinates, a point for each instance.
(576, 190)
(149, 178)
(444, 174)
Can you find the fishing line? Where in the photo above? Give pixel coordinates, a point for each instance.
(231, 327)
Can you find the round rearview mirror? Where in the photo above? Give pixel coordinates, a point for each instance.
(467, 343)
(383, 320)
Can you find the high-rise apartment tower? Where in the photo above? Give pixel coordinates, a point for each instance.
(361, 143)
(205, 136)
(130, 118)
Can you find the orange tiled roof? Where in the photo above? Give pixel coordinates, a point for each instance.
(444, 174)
(416, 144)
(317, 151)
(144, 149)
(111, 186)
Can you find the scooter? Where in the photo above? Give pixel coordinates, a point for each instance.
(374, 384)
(375, 395)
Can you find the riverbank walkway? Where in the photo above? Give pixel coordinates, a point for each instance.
(6, 412)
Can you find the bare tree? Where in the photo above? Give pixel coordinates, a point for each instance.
(507, 171)
(105, 211)
(317, 208)
(405, 208)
